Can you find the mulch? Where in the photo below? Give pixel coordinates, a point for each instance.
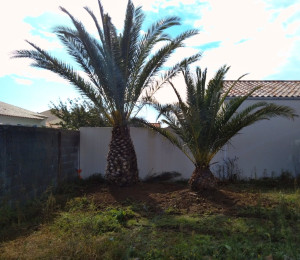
(177, 197)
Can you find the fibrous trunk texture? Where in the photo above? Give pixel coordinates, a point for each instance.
(203, 179)
(121, 159)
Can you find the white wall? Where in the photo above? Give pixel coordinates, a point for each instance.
(265, 148)
(8, 120)
(155, 154)
(268, 147)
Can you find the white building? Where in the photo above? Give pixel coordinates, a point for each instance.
(12, 115)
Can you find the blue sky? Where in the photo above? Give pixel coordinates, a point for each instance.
(259, 37)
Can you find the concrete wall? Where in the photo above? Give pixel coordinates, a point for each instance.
(32, 159)
(263, 149)
(155, 154)
(266, 148)
(9, 120)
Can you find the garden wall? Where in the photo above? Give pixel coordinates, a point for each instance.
(32, 159)
(155, 154)
(265, 149)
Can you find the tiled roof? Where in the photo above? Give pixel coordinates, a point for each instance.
(13, 111)
(50, 117)
(52, 120)
(270, 88)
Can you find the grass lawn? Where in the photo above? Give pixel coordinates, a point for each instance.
(90, 220)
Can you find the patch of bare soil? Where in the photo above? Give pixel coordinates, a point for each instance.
(176, 197)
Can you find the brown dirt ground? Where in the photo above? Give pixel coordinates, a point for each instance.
(176, 197)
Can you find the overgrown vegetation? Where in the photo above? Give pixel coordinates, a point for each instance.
(78, 113)
(260, 221)
(21, 218)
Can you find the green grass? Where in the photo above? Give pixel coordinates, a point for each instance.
(79, 230)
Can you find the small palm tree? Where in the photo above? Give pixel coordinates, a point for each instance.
(203, 124)
(120, 69)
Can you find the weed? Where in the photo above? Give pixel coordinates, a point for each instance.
(80, 204)
(172, 211)
(286, 177)
(122, 215)
(7, 214)
(49, 207)
(96, 178)
(229, 170)
(79, 230)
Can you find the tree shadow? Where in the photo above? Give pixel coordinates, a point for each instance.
(218, 197)
(26, 217)
(149, 197)
(159, 198)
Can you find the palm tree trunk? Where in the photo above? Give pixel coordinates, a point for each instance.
(121, 159)
(202, 179)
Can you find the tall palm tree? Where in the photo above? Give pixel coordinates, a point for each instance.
(120, 69)
(205, 122)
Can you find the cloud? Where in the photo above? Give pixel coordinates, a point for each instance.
(156, 5)
(23, 81)
(25, 73)
(16, 30)
(231, 20)
(255, 38)
(166, 94)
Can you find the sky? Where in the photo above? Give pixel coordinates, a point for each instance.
(258, 37)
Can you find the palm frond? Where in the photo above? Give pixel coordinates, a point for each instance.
(130, 37)
(248, 116)
(205, 122)
(173, 138)
(44, 60)
(76, 49)
(100, 31)
(119, 66)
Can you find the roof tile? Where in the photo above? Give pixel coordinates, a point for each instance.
(269, 88)
(10, 110)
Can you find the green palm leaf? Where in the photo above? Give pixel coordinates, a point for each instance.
(206, 121)
(121, 72)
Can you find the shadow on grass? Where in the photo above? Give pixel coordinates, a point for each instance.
(22, 219)
(161, 198)
(145, 196)
(218, 198)
(147, 199)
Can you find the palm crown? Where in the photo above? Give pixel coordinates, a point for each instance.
(206, 121)
(121, 71)
(118, 66)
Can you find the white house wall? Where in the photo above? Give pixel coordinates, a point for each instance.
(9, 120)
(263, 149)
